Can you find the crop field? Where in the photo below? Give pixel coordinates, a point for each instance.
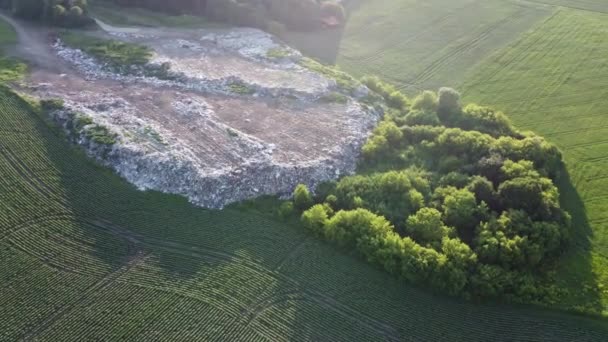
(428, 44)
(85, 256)
(588, 5)
(554, 81)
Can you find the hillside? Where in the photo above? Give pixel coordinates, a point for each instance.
(545, 66)
(86, 256)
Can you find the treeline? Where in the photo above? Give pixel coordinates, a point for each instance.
(448, 197)
(68, 13)
(272, 15)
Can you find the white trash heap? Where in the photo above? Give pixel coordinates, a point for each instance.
(153, 156)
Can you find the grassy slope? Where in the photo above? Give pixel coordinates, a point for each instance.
(7, 34)
(427, 44)
(554, 81)
(10, 69)
(587, 5)
(120, 16)
(85, 256)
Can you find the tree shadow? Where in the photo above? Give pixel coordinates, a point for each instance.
(323, 45)
(575, 269)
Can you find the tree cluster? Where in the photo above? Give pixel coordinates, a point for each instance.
(449, 197)
(70, 13)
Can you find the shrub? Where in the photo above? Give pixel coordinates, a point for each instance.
(286, 209)
(302, 199)
(51, 104)
(427, 228)
(418, 117)
(426, 102)
(76, 11)
(448, 104)
(315, 218)
(59, 12)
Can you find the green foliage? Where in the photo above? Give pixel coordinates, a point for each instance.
(278, 53)
(448, 104)
(334, 97)
(51, 104)
(159, 256)
(116, 53)
(395, 195)
(471, 192)
(427, 228)
(11, 69)
(394, 98)
(100, 135)
(70, 13)
(302, 199)
(241, 89)
(461, 211)
(426, 102)
(344, 80)
(315, 218)
(286, 209)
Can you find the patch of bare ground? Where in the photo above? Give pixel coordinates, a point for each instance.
(232, 124)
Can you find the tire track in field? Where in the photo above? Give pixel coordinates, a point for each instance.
(27, 224)
(430, 27)
(430, 70)
(510, 60)
(531, 91)
(31, 178)
(96, 287)
(206, 253)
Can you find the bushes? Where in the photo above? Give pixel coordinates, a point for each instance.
(302, 199)
(471, 211)
(69, 13)
(117, 54)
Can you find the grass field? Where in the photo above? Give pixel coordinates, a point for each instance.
(587, 5)
(7, 35)
(85, 256)
(121, 16)
(554, 81)
(428, 44)
(544, 62)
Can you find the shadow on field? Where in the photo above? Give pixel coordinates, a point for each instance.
(575, 264)
(267, 274)
(323, 45)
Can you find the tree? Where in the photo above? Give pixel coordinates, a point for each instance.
(537, 196)
(427, 228)
(302, 199)
(448, 104)
(461, 210)
(426, 102)
(315, 218)
(420, 117)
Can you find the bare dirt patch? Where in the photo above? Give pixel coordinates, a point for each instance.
(237, 122)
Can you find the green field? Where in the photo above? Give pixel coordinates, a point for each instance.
(546, 67)
(85, 256)
(428, 44)
(554, 81)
